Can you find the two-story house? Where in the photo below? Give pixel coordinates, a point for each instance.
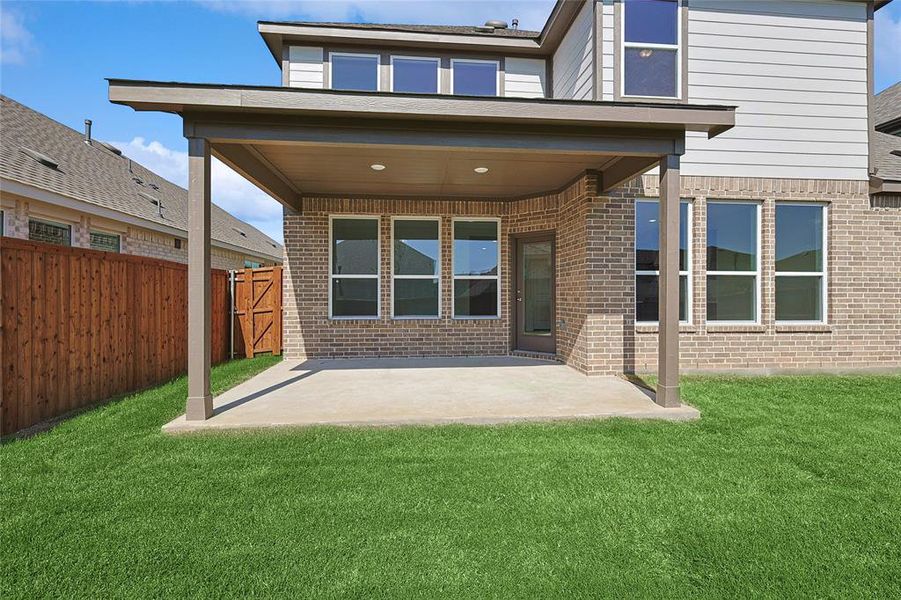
(641, 184)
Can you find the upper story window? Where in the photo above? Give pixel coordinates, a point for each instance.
(354, 71)
(474, 77)
(416, 75)
(651, 49)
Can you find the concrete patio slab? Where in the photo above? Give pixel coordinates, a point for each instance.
(483, 390)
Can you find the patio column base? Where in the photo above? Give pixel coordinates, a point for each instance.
(668, 396)
(200, 408)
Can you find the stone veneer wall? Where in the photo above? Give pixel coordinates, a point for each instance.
(596, 286)
(309, 333)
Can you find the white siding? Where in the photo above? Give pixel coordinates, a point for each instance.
(573, 60)
(797, 72)
(524, 77)
(305, 66)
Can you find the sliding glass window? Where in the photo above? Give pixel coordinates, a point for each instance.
(416, 269)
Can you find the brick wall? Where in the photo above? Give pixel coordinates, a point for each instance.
(309, 333)
(596, 288)
(863, 327)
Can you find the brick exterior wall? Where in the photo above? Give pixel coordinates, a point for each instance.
(597, 333)
(309, 333)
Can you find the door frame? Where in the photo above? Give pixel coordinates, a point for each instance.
(515, 311)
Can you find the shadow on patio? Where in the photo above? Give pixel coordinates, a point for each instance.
(395, 391)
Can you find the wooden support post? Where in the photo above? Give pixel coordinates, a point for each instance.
(668, 317)
(200, 402)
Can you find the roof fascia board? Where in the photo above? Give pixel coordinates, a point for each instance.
(25, 190)
(185, 98)
(285, 33)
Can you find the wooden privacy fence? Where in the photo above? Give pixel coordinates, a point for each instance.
(80, 326)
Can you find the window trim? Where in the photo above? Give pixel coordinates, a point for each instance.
(823, 273)
(623, 44)
(68, 226)
(378, 66)
(105, 232)
(755, 273)
(689, 288)
(455, 277)
(433, 59)
(378, 265)
(497, 74)
(437, 276)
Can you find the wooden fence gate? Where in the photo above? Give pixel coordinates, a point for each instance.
(258, 311)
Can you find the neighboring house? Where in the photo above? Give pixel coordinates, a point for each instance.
(885, 149)
(713, 154)
(62, 187)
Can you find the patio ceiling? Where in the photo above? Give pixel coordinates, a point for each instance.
(295, 142)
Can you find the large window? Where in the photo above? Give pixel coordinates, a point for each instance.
(108, 242)
(647, 260)
(476, 268)
(414, 75)
(49, 233)
(474, 77)
(651, 64)
(354, 268)
(733, 262)
(354, 71)
(416, 268)
(800, 262)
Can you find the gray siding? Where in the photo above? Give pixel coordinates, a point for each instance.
(574, 59)
(797, 71)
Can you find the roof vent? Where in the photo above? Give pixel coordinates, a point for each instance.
(87, 131)
(41, 158)
(154, 201)
(138, 180)
(110, 147)
(241, 233)
(154, 186)
(515, 23)
(496, 24)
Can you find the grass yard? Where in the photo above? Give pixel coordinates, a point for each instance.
(786, 487)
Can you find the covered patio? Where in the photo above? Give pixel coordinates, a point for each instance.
(307, 148)
(425, 391)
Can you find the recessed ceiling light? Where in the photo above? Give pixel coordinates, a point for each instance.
(481, 170)
(377, 167)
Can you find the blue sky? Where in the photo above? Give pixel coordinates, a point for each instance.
(51, 46)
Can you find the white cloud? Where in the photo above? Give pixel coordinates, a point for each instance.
(16, 42)
(888, 42)
(230, 191)
(531, 13)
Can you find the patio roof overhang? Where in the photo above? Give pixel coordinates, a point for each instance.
(297, 142)
(294, 143)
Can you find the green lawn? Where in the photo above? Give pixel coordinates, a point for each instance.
(786, 487)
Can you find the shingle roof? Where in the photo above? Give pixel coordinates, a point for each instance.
(887, 105)
(888, 165)
(94, 174)
(445, 29)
